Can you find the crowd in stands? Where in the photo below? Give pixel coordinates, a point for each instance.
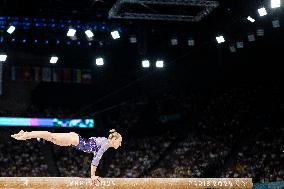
(21, 159)
(138, 155)
(191, 157)
(71, 162)
(219, 143)
(262, 159)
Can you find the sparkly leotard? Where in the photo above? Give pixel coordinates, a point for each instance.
(95, 145)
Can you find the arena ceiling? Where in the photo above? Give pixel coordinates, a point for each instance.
(228, 19)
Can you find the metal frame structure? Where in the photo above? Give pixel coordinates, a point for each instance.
(209, 6)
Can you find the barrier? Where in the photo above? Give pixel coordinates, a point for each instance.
(125, 183)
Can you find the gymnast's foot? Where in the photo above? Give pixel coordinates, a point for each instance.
(22, 135)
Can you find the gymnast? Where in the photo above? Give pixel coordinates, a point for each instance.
(95, 145)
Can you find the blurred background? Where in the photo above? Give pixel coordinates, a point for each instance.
(194, 87)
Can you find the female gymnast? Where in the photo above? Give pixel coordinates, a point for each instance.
(95, 145)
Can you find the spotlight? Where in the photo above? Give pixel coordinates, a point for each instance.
(275, 4)
(251, 37)
(3, 57)
(276, 24)
(260, 32)
(99, 61)
(262, 11)
(133, 39)
(233, 48)
(159, 64)
(220, 39)
(145, 64)
(250, 19)
(115, 34)
(89, 34)
(71, 32)
(240, 45)
(190, 42)
(53, 59)
(174, 41)
(11, 29)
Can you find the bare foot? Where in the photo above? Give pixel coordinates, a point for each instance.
(22, 135)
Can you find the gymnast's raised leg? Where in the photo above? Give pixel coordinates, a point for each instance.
(61, 139)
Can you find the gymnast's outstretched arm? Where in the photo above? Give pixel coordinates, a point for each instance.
(94, 177)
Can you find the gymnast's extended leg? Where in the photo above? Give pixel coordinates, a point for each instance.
(61, 139)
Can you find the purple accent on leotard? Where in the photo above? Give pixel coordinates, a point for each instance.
(95, 145)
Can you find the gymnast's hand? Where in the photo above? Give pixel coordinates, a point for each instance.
(95, 179)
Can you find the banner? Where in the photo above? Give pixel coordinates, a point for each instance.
(67, 75)
(46, 74)
(56, 75)
(14, 73)
(86, 76)
(26, 74)
(77, 75)
(49, 74)
(46, 122)
(37, 74)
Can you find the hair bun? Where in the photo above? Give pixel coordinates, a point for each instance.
(112, 130)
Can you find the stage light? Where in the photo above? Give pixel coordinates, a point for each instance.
(250, 19)
(275, 4)
(89, 34)
(159, 64)
(53, 59)
(115, 35)
(190, 42)
(262, 11)
(251, 37)
(133, 39)
(260, 32)
(174, 41)
(11, 29)
(99, 61)
(71, 32)
(240, 45)
(145, 64)
(3, 57)
(276, 24)
(233, 48)
(220, 39)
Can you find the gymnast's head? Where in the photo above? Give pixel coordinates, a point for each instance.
(114, 138)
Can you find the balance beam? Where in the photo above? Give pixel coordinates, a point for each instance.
(125, 183)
